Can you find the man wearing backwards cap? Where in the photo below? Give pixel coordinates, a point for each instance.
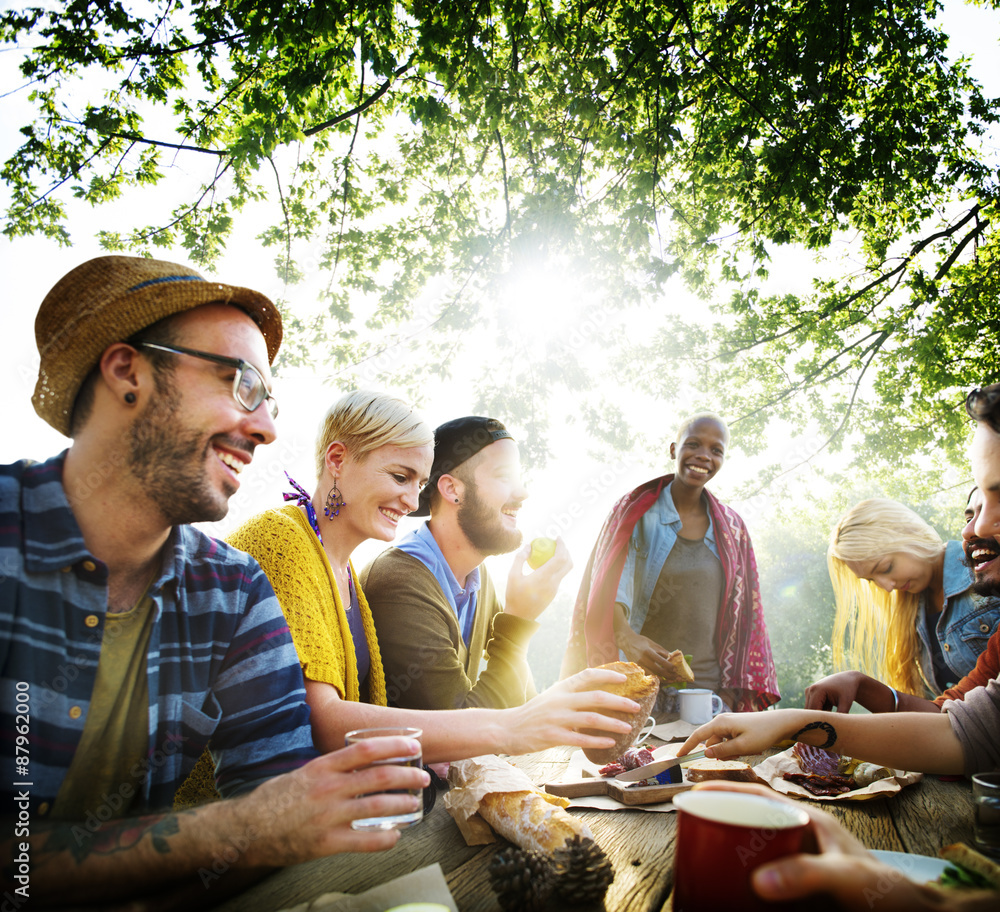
(446, 641)
(129, 639)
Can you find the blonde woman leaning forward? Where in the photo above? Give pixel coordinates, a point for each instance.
(373, 455)
(906, 612)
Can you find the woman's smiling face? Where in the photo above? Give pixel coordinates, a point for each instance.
(382, 488)
(700, 451)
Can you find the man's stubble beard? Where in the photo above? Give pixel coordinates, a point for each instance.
(481, 526)
(168, 460)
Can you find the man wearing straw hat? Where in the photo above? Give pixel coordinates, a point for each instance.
(129, 639)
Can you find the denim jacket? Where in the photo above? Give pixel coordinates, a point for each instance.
(965, 624)
(652, 540)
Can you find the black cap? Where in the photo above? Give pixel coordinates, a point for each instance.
(455, 442)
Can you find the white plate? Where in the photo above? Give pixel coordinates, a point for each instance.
(919, 868)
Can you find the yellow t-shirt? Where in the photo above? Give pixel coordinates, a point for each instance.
(106, 774)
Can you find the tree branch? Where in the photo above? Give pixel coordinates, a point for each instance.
(365, 105)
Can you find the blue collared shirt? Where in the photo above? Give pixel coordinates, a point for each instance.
(220, 663)
(652, 539)
(421, 544)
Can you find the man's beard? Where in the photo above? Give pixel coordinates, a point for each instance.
(983, 585)
(169, 461)
(482, 526)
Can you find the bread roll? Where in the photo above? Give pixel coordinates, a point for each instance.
(638, 686)
(731, 770)
(682, 670)
(867, 773)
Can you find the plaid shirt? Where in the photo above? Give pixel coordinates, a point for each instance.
(220, 663)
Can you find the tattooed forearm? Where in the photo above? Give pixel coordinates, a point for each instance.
(825, 727)
(81, 842)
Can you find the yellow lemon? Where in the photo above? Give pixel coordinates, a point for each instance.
(541, 550)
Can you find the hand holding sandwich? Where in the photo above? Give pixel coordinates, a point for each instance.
(560, 714)
(667, 664)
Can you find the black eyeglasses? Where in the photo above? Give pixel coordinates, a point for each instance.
(249, 387)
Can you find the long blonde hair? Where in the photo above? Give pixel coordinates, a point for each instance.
(874, 630)
(363, 421)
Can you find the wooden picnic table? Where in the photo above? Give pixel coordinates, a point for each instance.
(920, 820)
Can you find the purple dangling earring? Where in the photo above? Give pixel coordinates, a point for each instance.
(334, 501)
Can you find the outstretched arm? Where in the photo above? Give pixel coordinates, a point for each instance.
(846, 688)
(289, 819)
(553, 718)
(913, 741)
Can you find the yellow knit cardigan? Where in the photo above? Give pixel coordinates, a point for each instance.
(288, 550)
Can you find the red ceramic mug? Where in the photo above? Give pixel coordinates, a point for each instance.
(721, 838)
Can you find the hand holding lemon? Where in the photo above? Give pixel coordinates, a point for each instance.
(542, 550)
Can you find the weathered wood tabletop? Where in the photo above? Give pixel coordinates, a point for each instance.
(919, 820)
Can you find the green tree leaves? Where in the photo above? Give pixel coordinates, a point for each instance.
(439, 148)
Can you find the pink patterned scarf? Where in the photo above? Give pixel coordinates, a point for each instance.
(743, 647)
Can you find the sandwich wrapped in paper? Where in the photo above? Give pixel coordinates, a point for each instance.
(506, 799)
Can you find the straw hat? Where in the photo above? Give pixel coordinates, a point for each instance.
(109, 299)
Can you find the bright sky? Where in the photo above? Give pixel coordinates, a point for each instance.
(571, 497)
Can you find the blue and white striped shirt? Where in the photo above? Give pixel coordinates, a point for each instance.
(221, 664)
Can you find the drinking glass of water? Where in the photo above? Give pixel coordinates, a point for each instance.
(395, 820)
(986, 798)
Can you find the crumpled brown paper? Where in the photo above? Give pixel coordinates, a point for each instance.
(471, 780)
(771, 770)
(480, 776)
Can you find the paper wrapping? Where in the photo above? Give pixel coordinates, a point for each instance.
(425, 885)
(771, 770)
(490, 789)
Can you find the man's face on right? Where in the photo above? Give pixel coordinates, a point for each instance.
(980, 535)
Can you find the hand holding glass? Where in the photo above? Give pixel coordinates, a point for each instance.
(405, 818)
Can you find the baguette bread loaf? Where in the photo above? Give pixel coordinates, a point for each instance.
(637, 686)
(507, 800)
(731, 770)
(531, 821)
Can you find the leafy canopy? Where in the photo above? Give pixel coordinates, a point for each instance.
(429, 150)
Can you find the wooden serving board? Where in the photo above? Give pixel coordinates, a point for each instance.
(635, 795)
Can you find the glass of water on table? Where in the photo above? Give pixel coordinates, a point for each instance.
(394, 820)
(986, 801)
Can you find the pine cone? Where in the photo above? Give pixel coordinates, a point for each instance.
(521, 880)
(582, 871)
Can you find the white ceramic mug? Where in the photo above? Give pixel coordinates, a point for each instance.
(645, 732)
(699, 705)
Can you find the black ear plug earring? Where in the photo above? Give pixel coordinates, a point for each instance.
(130, 398)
